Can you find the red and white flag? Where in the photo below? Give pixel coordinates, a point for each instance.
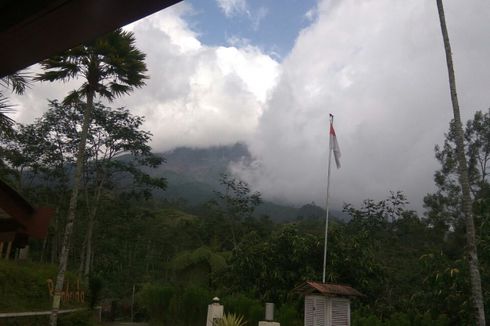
(334, 146)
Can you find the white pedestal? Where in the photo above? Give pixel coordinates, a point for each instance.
(269, 323)
(215, 311)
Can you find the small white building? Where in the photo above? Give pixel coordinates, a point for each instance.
(327, 304)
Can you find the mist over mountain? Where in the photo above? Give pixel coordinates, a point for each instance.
(193, 176)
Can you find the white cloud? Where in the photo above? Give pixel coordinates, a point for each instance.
(379, 66)
(258, 16)
(233, 7)
(311, 14)
(197, 95)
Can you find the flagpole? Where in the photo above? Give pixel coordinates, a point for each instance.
(327, 202)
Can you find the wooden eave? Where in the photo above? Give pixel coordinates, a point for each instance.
(327, 289)
(31, 31)
(19, 217)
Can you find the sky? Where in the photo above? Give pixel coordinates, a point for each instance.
(268, 73)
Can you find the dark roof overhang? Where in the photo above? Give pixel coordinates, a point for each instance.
(327, 289)
(19, 218)
(31, 31)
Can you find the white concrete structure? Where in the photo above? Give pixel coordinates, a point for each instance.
(215, 311)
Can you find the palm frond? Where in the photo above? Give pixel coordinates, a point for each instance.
(230, 320)
(6, 123)
(17, 82)
(110, 65)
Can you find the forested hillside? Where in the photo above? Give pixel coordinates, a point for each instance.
(193, 176)
(411, 269)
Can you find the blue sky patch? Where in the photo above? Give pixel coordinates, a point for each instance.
(272, 25)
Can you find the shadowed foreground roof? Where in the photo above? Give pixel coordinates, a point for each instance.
(328, 289)
(19, 219)
(31, 31)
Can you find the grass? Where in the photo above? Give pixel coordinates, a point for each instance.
(24, 286)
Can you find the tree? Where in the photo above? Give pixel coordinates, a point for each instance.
(51, 144)
(110, 66)
(237, 202)
(18, 83)
(477, 296)
(445, 205)
(386, 210)
(114, 132)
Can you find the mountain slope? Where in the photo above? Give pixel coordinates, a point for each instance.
(193, 175)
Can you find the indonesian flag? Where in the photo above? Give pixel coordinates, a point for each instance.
(334, 146)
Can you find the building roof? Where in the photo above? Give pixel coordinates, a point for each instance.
(31, 31)
(327, 289)
(19, 219)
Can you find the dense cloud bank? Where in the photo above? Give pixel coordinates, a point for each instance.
(378, 66)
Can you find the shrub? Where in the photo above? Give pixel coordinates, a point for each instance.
(230, 320)
(155, 299)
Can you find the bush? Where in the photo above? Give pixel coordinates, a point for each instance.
(253, 310)
(288, 315)
(155, 299)
(194, 305)
(400, 319)
(24, 287)
(230, 320)
(167, 305)
(95, 287)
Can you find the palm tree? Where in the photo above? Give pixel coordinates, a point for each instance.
(110, 66)
(18, 83)
(476, 290)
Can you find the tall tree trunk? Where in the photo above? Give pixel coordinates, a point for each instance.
(88, 252)
(43, 250)
(476, 290)
(54, 238)
(65, 249)
(82, 258)
(90, 229)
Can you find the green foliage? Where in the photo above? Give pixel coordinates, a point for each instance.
(237, 203)
(240, 304)
(111, 65)
(95, 285)
(230, 320)
(165, 304)
(24, 287)
(401, 319)
(197, 266)
(17, 83)
(289, 315)
(412, 271)
(155, 299)
(444, 206)
(192, 306)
